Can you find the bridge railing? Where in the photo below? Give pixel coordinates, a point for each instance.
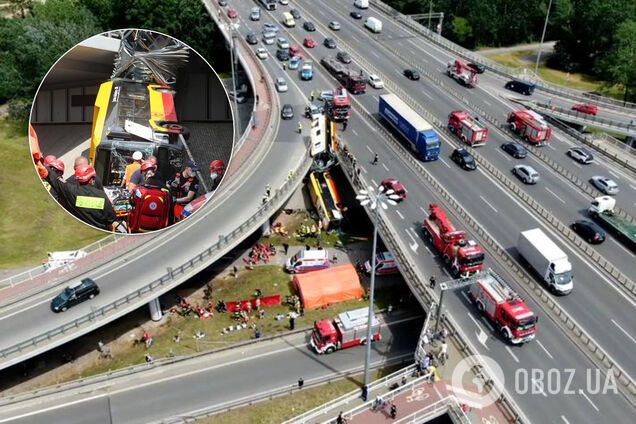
(607, 123)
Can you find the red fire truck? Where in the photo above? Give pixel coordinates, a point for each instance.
(512, 317)
(530, 126)
(338, 108)
(470, 130)
(347, 330)
(351, 79)
(464, 257)
(462, 73)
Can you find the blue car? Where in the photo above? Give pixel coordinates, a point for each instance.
(294, 63)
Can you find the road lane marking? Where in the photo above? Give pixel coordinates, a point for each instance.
(544, 349)
(363, 170)
(615, 176)
(633, 187)
(588, 399)
(444, 162)
(376, 98)
(470, 316)
(501, 152)
(427, 95)
(621, 245)
(399, 214)
(512, 354)
(488, 203)
(554, 194)
(623, 330)
(488, 324)
(551, 147)
(375, 54)
(424, 210)
(355, 133)
(368, 148)
(385, 167)
(487, 102)
(374, 183)
(565, 420)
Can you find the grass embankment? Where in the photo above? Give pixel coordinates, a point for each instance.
(296, 225)
(578, 81)
(286, 407)
(271, 279)
(32, 223)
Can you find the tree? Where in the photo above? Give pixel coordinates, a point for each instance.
(462, 31)
(619, 66)
(21, 8)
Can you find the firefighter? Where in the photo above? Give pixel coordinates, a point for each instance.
(184, 187)
(84, 200)
(131, 168)
(217, 168)
(58, 166)
(300, 127)
(79, 161)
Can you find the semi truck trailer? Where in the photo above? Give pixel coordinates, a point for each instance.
(547, 260)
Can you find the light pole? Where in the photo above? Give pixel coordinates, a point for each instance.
(545, 26)
(232, 28)
(369, 197)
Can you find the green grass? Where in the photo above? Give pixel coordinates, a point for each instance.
(270, 279)
(578, 81)
(32, 223)
(289, 406)
(295, 236)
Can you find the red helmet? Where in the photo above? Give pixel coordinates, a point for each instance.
(217, 166)
(148, 164)
(84, 173)
(57, 164)
(49, 159)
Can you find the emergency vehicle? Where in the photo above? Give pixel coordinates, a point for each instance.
(462, 73)
(385, 263)
(308, 260)
(347, 330)
(465, 257)
(339, 106)
(530, 126)
(512, 317)
(469, 130)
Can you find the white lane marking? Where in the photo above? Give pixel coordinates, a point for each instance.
(444, 162)
(488, 203)
(502, 153)
(374, 183)
(487, 102)
(614, 174)
(399, 214)
(633, 187)
(623, 330)
(376, 98)
(424, 210)
(488, 324)
(414, 245)
(564, 419)
(621, 245)
(467, 300)
(544, 349)
(588, 399)
(355, 133)
(427, 95)
(470, 316)
(577, 165)
(512, 354)
(398, 70)
(363, 170)
(551, 147)
(385, 167)
(375, 54)
(368, 148)
(554, 194)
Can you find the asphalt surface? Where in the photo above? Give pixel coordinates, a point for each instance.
(213, 380)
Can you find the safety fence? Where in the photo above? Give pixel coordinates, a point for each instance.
(606, 102)
(586, 118)
(590, 252)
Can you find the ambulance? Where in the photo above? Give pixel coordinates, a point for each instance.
(308, 260)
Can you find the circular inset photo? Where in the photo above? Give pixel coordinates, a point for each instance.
(131, 131)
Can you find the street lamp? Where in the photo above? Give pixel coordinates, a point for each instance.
(369, 197)
(545, 26)
(233, 27)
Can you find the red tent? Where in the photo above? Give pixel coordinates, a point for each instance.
(328, 286)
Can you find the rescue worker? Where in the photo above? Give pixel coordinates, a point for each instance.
(55, 163)
(217, 168)
(84, 200)
(148, 170)
(300, 127)
(137, 178)
(184, 186)
(131, 168)
(79, 161)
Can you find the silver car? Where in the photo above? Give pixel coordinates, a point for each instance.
(334, 25)
(269, 38)
(283, 43)
(604, 184)
(526, 173)
(281, 85)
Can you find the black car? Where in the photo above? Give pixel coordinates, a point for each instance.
(295, 13)
(355, 15)
(251, 38)
(463, 158)
(343, 57)
(287, 111)
(515, 150)
(329, 43)
(477, 67)
(309, 26)
(520, 87)
(72, 295)
(412, 74)
(589, 231)
(282, 54)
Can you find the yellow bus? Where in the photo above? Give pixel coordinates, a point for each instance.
(325, 198)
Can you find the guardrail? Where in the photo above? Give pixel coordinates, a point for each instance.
(607, 102)
(563, 113)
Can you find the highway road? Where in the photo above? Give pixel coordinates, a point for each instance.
(217, 379)
(502, 218)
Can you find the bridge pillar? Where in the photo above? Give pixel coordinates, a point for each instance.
(155, 309)
(266, 229)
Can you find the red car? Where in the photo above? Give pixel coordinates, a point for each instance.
(309, 42)
(232, 13)
(588, 108)
(294, 51)
(396, 186)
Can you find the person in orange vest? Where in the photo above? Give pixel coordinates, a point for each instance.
(130, 169)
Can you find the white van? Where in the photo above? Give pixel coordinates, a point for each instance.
(288, 20)
(361, 4)
(374, 24)
(308, 260)
(60, 259)
(385, 263)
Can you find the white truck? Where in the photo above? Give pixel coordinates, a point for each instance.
(361, 4)
(546, 259)
(374, 25)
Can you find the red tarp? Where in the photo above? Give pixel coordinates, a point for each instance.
(265, 301)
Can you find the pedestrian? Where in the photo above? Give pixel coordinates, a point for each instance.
(257, 304)
(292, 322)
(301, 383)
(290, 174)
(312, 96)
(300, 127)
(334, 259)
(341, 419)
(358, 172)
(432, 282)
(354, 161)
(393, 410)
(365, 393)
(235, 271)
(389, 309)
(257, 333)
(268, 190)
(307, 247)
(149, 359)
(284, 66)
(344, 126)
(264, 199)
(261, 314)
(443, 353)
(257, 99)
(375, 159)
(285, 248)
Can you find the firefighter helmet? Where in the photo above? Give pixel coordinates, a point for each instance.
(146, 165)
(84, 173)
(48, 159)
(57, 164)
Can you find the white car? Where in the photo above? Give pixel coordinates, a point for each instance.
(526, 173)
(284, 2)
(326, 95)
(375, 81)
(269, 38)
(334, 25)
(580, 155)
(283, 43)
(281, 85)
(261, 53)
(604, 184)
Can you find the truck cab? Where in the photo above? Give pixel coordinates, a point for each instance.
(308, 260)
(348, 329)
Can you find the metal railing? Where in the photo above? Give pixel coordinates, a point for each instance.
(607, 102)
(585, 118)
